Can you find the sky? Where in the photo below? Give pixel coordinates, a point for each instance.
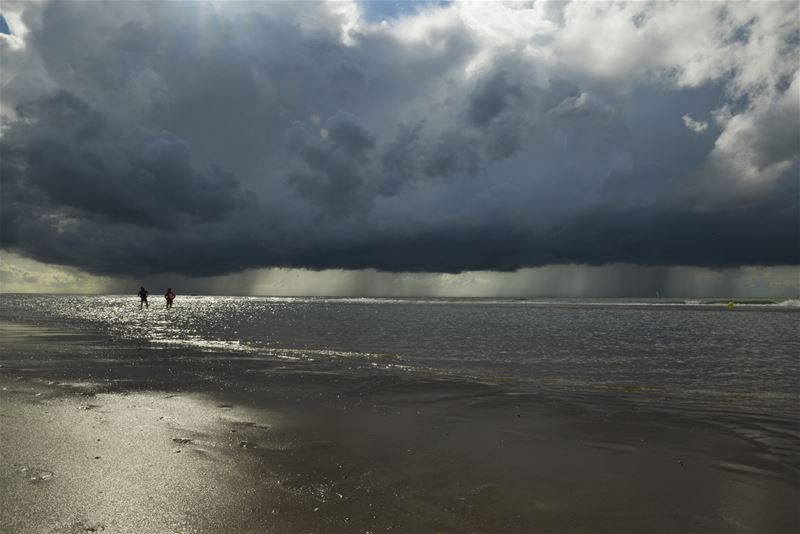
(401, 148)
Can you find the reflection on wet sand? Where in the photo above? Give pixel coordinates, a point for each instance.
(130, 440)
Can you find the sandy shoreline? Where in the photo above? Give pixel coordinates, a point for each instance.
(99, 437)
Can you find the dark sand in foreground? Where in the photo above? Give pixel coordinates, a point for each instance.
(99, 437)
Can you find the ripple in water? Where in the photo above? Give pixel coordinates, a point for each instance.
(698, 352)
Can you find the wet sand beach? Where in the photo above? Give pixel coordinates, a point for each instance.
(101, 436)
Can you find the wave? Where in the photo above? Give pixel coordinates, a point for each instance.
(517, 301)
(236, 346)
(789, 303)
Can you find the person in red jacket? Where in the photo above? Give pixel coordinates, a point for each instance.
(170, 296)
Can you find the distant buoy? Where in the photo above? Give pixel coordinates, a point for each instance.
(731, 305)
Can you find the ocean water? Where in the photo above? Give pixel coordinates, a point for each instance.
(668, 352)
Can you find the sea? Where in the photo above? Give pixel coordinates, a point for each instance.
(675, 353)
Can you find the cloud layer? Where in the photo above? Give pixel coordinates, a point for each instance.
(209, 138)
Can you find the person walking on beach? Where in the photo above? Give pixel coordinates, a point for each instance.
(143, 295)
(170, 296)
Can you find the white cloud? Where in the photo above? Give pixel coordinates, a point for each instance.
(693, 125)
(758, 145)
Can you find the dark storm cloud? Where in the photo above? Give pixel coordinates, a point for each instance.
(203, 139)
(412, 155)
(348, 135)
(68, 155)
(652, 235)
(493, 97)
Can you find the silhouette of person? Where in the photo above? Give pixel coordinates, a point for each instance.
(143, 295)
(170, 296)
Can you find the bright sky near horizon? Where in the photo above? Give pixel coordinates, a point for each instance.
(401, 148)
(21, 275)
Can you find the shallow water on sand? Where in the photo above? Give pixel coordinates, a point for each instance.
(678, 353)
(319, 415)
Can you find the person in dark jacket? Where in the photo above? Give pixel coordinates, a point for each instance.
(143, 295)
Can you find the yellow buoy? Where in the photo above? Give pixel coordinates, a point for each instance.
(731, 304)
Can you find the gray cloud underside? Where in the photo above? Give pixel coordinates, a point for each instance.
(185, 137)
